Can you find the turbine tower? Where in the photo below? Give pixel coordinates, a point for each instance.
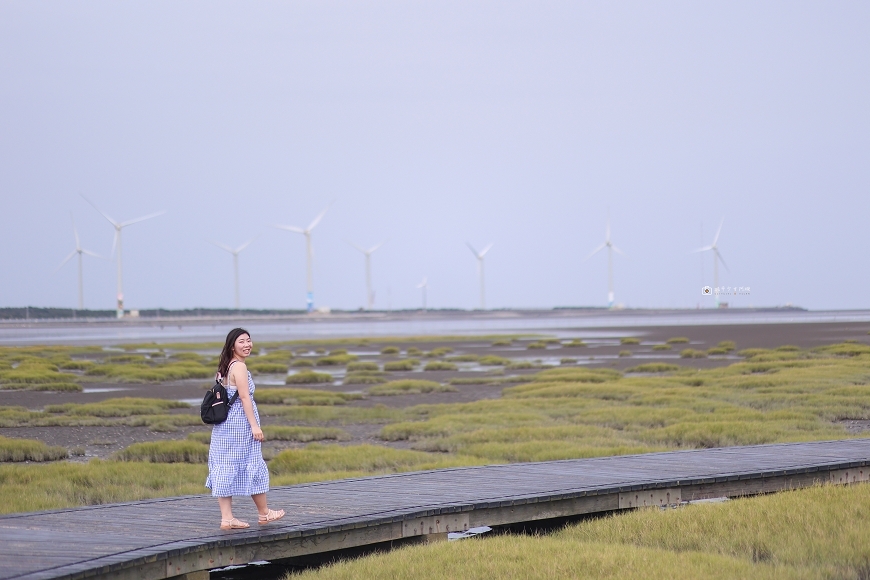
(423, 285)
(479, 256)
(309, 255)
(117, 243)
(79, 250)
(235, 254)
(610, 249)
(370, 296)
(717, 257)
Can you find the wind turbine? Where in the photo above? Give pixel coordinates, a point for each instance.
(309, 256)
(79, 250)
(117, 243)
(235, 254)
(717, 257)
(423, 285)
(370, 296)
(479, 256)
(610, 249)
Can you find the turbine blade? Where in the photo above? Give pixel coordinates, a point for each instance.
(291, 229)
(246, 244)
(473, 251)
(719, 231)
(485, 250)
(596, 250)
(222, 247)
(357, 247)
(67, 259)
(375, 247)
(141, 219)
(75, 232)
(718, 255)
(111, 221)
(617, 250)
(89, 253)
(704, 249)
(318, 218)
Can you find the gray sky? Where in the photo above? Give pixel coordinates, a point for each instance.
(432, 124)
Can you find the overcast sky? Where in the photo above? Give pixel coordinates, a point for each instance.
(433, 124)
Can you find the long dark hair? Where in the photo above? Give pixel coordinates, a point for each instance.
(227, 352)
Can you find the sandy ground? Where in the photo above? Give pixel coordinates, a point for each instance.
(103, 441)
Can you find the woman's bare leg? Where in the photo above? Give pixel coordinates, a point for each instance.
(226, 504)
(260, 502)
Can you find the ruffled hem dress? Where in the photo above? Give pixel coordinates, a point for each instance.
(235, 458)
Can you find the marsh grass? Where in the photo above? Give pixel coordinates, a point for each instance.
(437, 365)
(149, 372)
(410, 387)
(15, 450)
(485, 380)
(336, 360)
(493, 361)
(364, 378)
(341, 415)
(407, 364)
(302, 362)
(624, 353)
(813, 533)
(308, 378)
(538, 344)
(629, 340)
(576, 343)
(122, 407)
(64, 484)
(656, 367)
(362, 366)
(277, 396)
(305, 434)
(678, 340)
(390, 350)
(184, 451)
(692, 353)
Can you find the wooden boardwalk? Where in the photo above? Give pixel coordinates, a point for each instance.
(170, 537)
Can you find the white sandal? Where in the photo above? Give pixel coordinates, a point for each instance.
(270, 516)
(234, 524)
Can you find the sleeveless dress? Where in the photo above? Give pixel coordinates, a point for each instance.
(235, 458)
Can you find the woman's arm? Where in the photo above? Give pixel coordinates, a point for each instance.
(239, 373)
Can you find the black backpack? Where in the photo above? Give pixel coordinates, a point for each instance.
(215, 404)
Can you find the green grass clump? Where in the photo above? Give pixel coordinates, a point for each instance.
(485, 380)
(538, 344)
(629, 340)
(494, 361)
(302, 362)
(655, 367)
(185, 451)
(364, 378)
(14, 450)
(150, 372)
(336, 360)
(574, 343)
(407, 364)
(717, 351)
(625, 353)
(305, 434)
(787, 348)
(661, 347)
(37, 375)
(467, 357)
(260, 368)
(200, 436)
(728, 345)
(678, 340)
(414, 351)
(362, 366)
(390, 350)
(410, 387)
(75, 365)
(692, 353)
(368, 459)
(502, 343)
(567, 361)
(302, 397)
(523, 364)
(811, 533)
(308, 378)
(63, 484)
(122, 407)
(338, 352)
(440, 351)
(438, 365)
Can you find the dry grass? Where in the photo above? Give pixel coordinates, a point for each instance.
(814, 533)
(410, 387)
(302, 397)
(308, 378)
(438, 365)
(15, 450)
(187, 451)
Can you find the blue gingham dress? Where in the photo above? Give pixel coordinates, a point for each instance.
(235, 459)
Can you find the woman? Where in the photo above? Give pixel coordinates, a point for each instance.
(235, 457)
